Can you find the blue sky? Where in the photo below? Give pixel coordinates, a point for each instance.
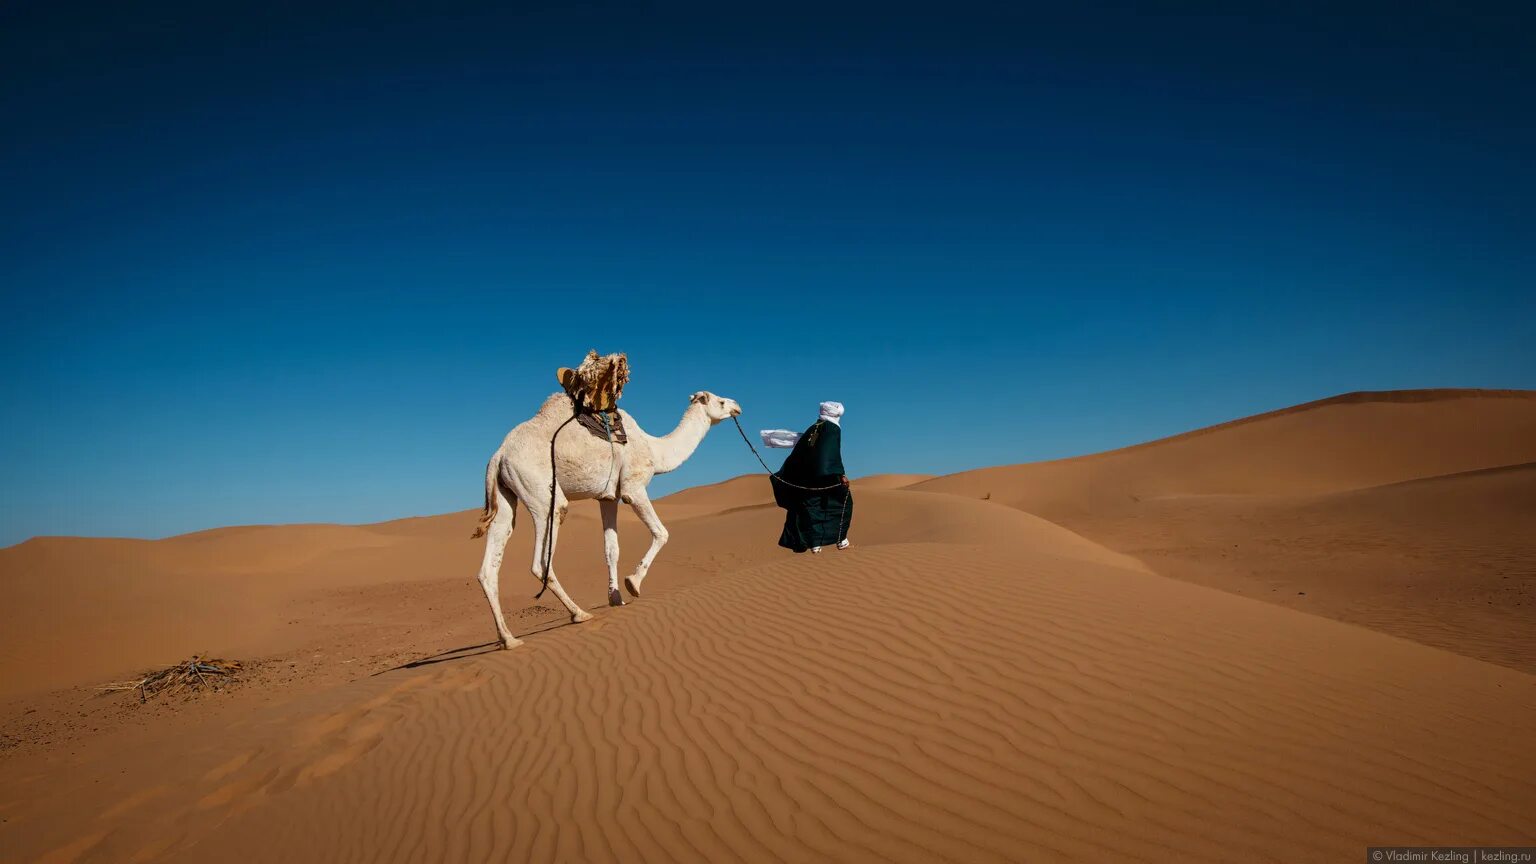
(309, 262)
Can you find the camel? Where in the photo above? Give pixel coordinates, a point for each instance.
(584, 467)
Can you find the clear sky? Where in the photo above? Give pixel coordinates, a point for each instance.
(271, 262)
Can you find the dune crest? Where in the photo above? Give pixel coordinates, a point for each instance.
(1347, 442)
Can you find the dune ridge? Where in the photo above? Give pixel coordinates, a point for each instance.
(1325, 446)
(1356, 397)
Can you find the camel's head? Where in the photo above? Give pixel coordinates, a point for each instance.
(716, 408)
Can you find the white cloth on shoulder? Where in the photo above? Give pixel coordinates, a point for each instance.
(783, 439)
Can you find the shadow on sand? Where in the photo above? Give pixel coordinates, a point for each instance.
(463, 653)
(469, 651)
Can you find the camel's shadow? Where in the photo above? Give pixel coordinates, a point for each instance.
(463, 653)
(468, 651)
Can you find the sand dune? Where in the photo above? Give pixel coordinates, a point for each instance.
(1407, 512)
(749, 491)
(1348, 442)
(1447, 561)
(128, 604)
(1003, 679)
(860, 709)
(1009, 695)
(890, 481)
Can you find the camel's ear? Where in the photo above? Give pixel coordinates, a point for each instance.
(700, 396)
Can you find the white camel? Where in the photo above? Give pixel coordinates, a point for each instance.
(584, 466)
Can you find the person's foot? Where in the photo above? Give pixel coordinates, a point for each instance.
(815, 550)
(843, 544)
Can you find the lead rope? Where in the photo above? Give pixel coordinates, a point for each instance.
(842, 519)
(549, 523)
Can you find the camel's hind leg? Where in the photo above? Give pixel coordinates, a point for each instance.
(541, 524)
(496, 536)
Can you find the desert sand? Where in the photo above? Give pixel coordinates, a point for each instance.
(1282, 638)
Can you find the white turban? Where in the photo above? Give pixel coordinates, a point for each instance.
(785, 439)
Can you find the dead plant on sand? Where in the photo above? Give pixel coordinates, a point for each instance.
(199, 673)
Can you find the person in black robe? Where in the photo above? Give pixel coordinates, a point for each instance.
(812, 487)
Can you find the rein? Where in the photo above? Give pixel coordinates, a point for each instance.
(842, 519)
(549, 521)
(770, 470)
(548, 553)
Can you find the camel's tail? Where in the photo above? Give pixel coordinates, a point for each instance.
(488, 515)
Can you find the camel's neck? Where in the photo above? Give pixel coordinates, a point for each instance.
(673, 449)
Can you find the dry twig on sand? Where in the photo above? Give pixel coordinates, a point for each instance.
(194, 674)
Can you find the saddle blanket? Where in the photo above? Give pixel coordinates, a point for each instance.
(592, 421)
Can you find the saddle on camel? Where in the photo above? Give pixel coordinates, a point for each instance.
(595, 387)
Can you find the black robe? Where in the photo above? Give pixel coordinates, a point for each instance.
(814, 518)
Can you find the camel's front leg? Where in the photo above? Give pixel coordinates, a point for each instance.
(541, 526)
(611, 549)
(647, 513)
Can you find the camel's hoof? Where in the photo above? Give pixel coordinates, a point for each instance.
(508, 644)
(580, 617)
(631, 586)
(615, 598)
